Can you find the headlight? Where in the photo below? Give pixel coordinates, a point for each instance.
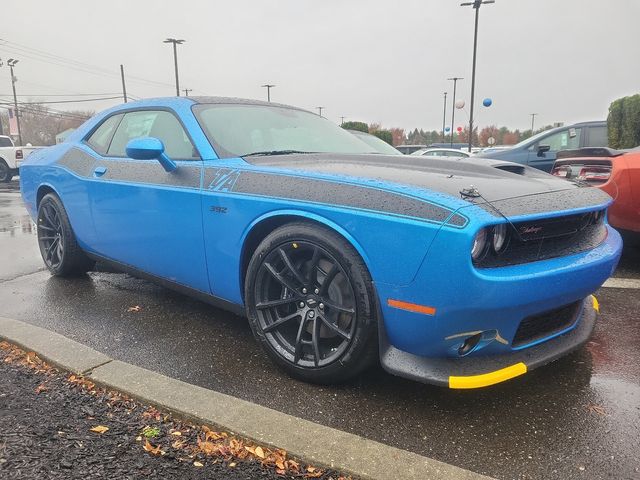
(499, 237)
(479, 244)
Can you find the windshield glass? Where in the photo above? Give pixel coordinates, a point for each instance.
(240, 130)
(377, 144)
(533, 139)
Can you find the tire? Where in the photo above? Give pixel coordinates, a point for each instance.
(6, 174)
(58, 246)
(320, 328)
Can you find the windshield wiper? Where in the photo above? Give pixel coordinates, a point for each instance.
(274, 152)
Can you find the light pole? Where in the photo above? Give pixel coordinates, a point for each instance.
(175, 42)
(268, 87)
(320, 110)
(533, 116)
(124, 86)
(444, 115)
(476, 5)
(453, 109)
(342, 120)
(186, 91)
(12, 63)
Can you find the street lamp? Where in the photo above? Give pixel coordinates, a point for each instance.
(476, 6)
(12, 63)
(320, 110)
(175, 42)
(453, 108)
(268, 87)
(533, 117)
(444, 115)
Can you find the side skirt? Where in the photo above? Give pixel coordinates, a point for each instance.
(178, 287)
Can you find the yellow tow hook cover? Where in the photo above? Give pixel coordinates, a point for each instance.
(596, 305)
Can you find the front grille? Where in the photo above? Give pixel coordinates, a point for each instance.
(545, 324)
(548, 238)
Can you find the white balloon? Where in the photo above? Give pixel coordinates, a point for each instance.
(459, 104)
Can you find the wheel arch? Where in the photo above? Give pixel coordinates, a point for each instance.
(264, 225)
(42, 191)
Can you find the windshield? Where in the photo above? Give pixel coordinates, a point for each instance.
(240, 130)
(377, 144)
(533, 139)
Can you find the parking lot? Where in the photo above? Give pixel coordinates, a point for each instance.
(576, 418)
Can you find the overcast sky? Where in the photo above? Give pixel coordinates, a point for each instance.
(369, 60)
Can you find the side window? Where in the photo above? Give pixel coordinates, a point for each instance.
(598, 137)
(159, 124)
(100, 138)
(564, 140)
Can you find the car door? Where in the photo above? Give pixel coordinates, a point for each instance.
(144, 216)
(567, 139)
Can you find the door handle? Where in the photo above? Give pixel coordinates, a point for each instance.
(99, 171)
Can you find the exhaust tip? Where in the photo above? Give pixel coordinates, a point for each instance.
(469, 344)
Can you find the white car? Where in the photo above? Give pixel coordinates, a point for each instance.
(442, 152)
(11, 157)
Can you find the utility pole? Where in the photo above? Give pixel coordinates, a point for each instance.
(476, 6)
(124, 87)
(268, 87)
(533, 116)
(342, 121)
(320, 110)
(453, 109)
(175, 42)
(444, 115)
(186, 91)
(12, 63)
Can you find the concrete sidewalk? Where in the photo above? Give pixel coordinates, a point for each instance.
(303, 439)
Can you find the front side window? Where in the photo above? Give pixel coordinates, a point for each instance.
(158, 124)
(239, 130)
(100, 138)
(565, 140)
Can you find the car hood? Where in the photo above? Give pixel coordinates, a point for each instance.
(493, 179)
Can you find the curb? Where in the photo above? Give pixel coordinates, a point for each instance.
(312, 442)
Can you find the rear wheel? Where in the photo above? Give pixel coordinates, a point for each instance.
(58, 246)
(5, 172)
(310, 303)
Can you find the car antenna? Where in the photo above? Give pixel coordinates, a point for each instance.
(473, 192)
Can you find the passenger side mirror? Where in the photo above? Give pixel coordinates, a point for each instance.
(542, 149)
(150, 148)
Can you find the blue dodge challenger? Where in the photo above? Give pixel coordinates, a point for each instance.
(450, 272)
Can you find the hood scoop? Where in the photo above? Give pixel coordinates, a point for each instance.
(511, 167)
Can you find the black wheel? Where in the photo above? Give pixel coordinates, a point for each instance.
(5, 172)
(60, 251)
(310, 303)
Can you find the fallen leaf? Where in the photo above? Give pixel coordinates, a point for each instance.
(151, 449)
(281, 471)
(311, 469)
(135, 308)
(232, 464)
(99, 429)
(259, 452)
(138, 438)
(280, 464)
(41, 388)
(197, 464)
(176, 433)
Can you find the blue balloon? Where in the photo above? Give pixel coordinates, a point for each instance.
(446, 129)
(487, 102)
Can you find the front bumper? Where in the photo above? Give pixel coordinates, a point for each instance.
(481, 371)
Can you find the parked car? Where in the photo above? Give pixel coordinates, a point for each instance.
(377, 144)
(441, 152)
(616, 172)
(540, 150)
(409, 149)
(10, 158)
(461, 274)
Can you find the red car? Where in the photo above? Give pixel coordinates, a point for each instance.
(617, 172)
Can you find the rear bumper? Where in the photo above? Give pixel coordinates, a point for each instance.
(480, 371)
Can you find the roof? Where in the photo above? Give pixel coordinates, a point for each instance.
(240, 101)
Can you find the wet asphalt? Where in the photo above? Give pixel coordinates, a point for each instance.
(576, 418)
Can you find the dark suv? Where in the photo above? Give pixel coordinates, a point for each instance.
(540, 150)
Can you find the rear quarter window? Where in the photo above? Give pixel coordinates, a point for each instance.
(598, 137)
(101, 137)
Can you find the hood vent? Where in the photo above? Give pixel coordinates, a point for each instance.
(517, 169)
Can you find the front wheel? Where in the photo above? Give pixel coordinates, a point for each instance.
(58, 246)
(5, 172)
(310, 303)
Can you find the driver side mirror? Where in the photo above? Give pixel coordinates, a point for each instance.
(150, 148)
(542, 149)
